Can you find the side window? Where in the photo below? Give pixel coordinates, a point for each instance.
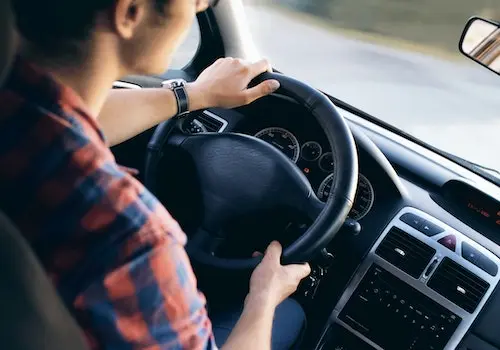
(188, 49)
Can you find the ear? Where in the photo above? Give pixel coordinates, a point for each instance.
(127, 16)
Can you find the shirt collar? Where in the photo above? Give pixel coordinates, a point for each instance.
(37, 86)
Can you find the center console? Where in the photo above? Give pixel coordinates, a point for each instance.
(420, 288)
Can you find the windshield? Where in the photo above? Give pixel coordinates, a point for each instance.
(396, 60)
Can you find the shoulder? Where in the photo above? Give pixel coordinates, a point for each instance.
(57, 161)
(33, 134)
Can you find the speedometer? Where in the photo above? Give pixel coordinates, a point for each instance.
(363, 202)
(283, 140)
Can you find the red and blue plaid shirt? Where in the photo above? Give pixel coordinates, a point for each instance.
(114, 253)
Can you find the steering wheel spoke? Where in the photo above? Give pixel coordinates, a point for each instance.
(204, 241)
(314, 206)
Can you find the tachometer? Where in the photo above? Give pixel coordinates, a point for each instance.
(283, 140)
(363, 201)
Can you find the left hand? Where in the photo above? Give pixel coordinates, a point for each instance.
(225, 84)
(272, 282)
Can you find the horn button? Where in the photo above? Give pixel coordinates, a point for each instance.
(240, 174)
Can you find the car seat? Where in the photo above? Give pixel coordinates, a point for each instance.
(32, 316)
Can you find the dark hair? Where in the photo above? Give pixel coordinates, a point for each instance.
(49, 23)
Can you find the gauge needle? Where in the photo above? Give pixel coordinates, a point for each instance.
(278, 145)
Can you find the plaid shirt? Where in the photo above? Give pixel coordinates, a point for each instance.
(113, 252)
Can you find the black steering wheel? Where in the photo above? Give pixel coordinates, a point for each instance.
(240, 174)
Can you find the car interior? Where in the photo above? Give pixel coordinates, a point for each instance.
(403, 239)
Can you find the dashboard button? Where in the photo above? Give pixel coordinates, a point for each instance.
(429, 229)
(449, 242)
(412, 220)
(479, 259)
(418, 223)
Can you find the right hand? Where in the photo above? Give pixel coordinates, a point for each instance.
(225, 84)
(272, 282)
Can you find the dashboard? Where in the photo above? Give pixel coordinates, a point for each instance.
(429, 234)
(427, 279)
(436, 278)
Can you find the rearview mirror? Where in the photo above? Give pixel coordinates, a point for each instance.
(480, 42)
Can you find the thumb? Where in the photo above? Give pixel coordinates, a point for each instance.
(263, 89)
(300, 271)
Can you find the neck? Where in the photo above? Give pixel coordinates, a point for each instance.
(91, 76)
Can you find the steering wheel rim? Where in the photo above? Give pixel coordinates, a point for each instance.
(329, 217)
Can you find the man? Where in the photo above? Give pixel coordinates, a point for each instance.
(102, 237)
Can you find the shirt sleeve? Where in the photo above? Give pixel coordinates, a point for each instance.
(141, 291)
(149, 303)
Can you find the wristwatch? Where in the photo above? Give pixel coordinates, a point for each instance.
(178, 86)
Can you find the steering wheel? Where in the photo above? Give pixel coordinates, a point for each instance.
(240, 174)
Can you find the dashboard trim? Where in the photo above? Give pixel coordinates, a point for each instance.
(224, 122)
(420, 284)
(125, 85)
(383, 139)
(368, 145)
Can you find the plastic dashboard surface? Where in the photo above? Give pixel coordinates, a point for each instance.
(420, 285)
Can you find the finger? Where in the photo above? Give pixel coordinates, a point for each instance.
(256, 254)
(299, 271)
(220, 60)
(260, 67)
(273, 252)
(263, 89)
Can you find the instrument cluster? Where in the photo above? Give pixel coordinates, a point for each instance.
(317, 163)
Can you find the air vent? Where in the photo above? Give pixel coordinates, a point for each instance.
(211, 122)
(458, 285)
(405, 252)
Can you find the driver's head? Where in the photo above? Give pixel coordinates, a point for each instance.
(139, 35)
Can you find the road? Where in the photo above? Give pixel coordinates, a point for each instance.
(453, 105)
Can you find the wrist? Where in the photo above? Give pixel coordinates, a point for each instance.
(198, 97)
(260, 301)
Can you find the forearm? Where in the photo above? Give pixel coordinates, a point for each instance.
(224, 84)
(254, 328)
(127, 113)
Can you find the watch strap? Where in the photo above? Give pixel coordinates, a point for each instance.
(182, 99)
(178, 87)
